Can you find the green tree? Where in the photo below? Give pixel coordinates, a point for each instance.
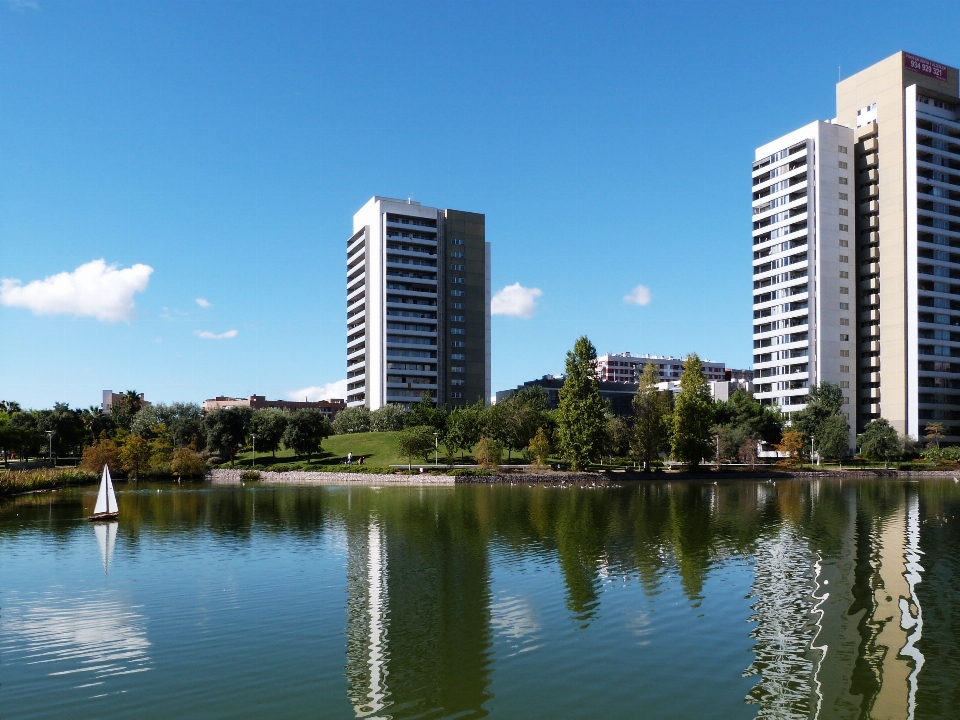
(31, 442)
(514, 421)
(305, 431)
(488, 452)
(934, 433)
(618, 436)
(426, 412)
(692, 415)
(581, 415)
(187, 463)
(879, 441)
(824, 401)
(268, 425)
(743, 411)
(416, 441)
(388, 418)
(96, 423)
(464, 428)
(67, 428)
(833, 438)
(124, 409)
(652, 410)
(540, 447)
(161, 447)
(227, 430)
(135, 455)
(352, 420)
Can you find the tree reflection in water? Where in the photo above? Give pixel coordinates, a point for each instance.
(854, 584)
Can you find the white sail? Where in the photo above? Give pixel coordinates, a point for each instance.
(101, 506)
(111, 497)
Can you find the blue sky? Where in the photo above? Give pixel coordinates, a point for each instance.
(226, 145)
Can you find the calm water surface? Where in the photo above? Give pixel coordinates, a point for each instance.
(661, 600)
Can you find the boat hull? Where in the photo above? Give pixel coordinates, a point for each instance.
(104, 516)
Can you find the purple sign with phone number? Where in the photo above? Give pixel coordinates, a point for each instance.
(925, 67)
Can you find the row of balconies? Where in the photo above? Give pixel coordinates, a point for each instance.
(788, 292)
(759, 269)
(797, 306)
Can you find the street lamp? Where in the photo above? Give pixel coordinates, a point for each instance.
(50, 451)
(813, 449)
(254, 438)
(436, 448)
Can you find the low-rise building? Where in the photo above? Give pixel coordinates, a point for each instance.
(110, 398)
(626, 368)
(329, 408)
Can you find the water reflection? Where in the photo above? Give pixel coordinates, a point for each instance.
(87, 640)
(852, 612)
(106, 533)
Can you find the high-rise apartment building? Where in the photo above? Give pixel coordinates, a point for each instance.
(418, 306)
(853, 262)
(627, 368)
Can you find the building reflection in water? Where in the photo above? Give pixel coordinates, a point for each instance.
(838, 617)
(418, 613)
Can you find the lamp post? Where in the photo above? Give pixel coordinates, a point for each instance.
(813, 449)
(436, 448)
(50, 450)
(254, 438)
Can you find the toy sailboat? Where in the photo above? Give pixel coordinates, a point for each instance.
(106, 507)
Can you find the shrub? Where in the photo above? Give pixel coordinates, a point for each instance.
(188, 463)
(103, 452)
(466, 472)
(17, 481)
(250, 475)
(488, 452)
(352, 420)
(388, 418)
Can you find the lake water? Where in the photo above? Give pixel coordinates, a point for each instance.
(660, 600)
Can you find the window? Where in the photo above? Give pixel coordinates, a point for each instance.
(941, 319)
(842, 165)
(457, 267)
(844, 291)
(844, 321)
(844, 306)
(455, 241)
(844, 353)
(458, 369)
(457, 318)
(844, 383)
(844, 211)
(844, 258)
(458, 254)
(844, 196)
(843, 181)
(844, 243)
(844, 337)
(458, 382)
(842, 149)
(457, 331)
(457, 356)
(457, 281)
(458, 343)
(456, 306)
(457, 395)
(844, 228)
(844, 274)
(457, 293)
(844, 368)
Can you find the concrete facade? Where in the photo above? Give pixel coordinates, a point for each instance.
(899, 121)
(418, 306)
(626, 367)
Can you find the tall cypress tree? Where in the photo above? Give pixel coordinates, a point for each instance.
(651, 426)
(692, 415)
(581, 421)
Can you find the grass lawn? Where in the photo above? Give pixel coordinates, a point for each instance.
(378, 450)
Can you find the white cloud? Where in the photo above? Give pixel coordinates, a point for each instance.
(329, 391)
(203, 302)
(640, 295)
(207, 335)
(94, 290)
(21, 5)
(516, 300)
